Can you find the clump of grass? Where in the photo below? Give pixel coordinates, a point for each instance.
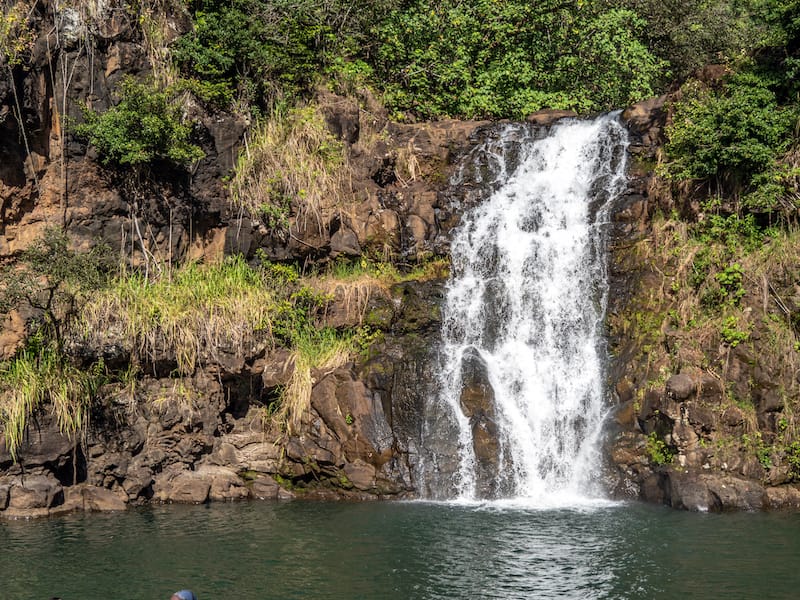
(354, 283)
(320, 350)
(39, 376)
(291, 163)
(190, 312)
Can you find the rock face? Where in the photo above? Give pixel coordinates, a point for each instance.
(209, 437)
(697, 426)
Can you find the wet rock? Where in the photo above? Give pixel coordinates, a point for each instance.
(625, 390)
(361, 475)
(5, 490)
(101, 499)
(138, 483)
(226, 484)
(264, 488)
(714, 492)
(185, 487)
(546, 118)
(420, 305)
(477, 394)
(782, 497)
(645, 121)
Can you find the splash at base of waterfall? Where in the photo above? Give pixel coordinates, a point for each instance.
(521, 380)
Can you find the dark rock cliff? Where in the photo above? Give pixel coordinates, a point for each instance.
(698, 420)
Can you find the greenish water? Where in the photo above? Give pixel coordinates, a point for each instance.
(400, 550)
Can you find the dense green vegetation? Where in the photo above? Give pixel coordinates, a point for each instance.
(264, 51)
(489, 58)
(734, 138)
(145, 125)
(482, 58)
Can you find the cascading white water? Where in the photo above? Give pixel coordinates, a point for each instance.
(523, 315)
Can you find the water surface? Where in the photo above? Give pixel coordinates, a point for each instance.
(379, 551)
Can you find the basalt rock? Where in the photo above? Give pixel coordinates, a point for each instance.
(701, 424)
(210, 437)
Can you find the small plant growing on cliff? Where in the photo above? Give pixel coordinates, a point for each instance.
(16, 34)
(657, 451)
(763, 451)
(731, 334)
(730, 281)
(145, 126)
(53, 279)
(793, 460)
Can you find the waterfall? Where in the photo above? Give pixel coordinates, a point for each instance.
(522, 375)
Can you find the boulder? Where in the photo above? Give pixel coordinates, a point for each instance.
(714, 492)
(680, 387)
(184, 487)
(34, 492)
(783, 497)
(226, 484)
(477, 394)
(5, 490)
(546, 118)
(645, 121)
(360, 474)
(265, 488)
(101, 499)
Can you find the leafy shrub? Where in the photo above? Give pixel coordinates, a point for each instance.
(730, 281)
(16, 33)
(691, 35)
(657, 451)
(54, 279)
(731, 334)
(268, 50)
(146, 125)
(729, 137)
(487, 58)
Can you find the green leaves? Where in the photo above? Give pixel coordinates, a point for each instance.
(732, 135)
(508, 59)
(265, 51)
(146, 125)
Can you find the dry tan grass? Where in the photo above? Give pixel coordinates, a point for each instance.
(291, 161)
(315, 355)
(32, 380)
